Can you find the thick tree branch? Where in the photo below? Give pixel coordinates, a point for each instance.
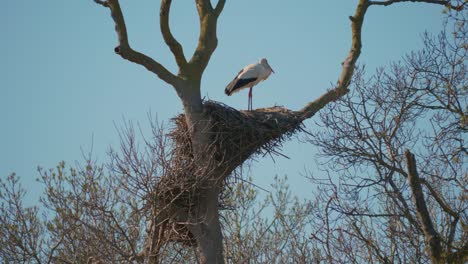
(173, 44)
(432, 238)
(440, 200)
(438, 2)
(127, 52)
(203, 7)
(348, 66)
(219, 7)
(101, 2)
(207, 40)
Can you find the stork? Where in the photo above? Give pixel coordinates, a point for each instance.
(250, 76)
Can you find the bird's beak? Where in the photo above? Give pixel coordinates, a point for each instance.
(272, 70)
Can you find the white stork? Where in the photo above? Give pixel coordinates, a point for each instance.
(250, 76)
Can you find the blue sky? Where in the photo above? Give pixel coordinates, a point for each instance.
(62, 86)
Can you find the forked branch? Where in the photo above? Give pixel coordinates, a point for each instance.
(127, 52)
(207, 40)
(219, 7)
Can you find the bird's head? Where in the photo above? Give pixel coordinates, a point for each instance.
(264, 62)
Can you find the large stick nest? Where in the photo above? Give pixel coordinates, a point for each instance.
(235, 136)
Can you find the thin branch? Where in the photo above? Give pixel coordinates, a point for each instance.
(370, 243)
(127, 52)
(432, 238)
(51, 257)
(173, 44)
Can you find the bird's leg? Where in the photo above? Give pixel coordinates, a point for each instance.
(250, 99)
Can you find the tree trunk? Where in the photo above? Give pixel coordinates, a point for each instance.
(208, 232)
(204, 221)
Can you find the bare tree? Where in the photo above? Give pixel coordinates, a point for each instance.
(209, 140)
(175, 186)
(388, 204)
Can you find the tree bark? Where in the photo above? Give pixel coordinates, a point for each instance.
(431, 235)
(208, 232)
(203, 222)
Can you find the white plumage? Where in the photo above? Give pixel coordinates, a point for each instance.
(248, 77)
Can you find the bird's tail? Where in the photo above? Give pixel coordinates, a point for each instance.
(230, 87)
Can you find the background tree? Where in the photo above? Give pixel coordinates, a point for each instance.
(398, 144)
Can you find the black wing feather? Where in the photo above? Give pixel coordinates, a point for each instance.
(239, 84)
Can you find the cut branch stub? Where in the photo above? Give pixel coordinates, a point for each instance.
(431, 235)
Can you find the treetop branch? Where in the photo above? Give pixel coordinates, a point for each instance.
(439, 2)
(126, 52)
(348, 66)
(203, 7)
(207, 40)
(101, 2)
(219, 7)
(173, 44)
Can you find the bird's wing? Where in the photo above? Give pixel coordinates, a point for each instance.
(250, 71)
(245, 77)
